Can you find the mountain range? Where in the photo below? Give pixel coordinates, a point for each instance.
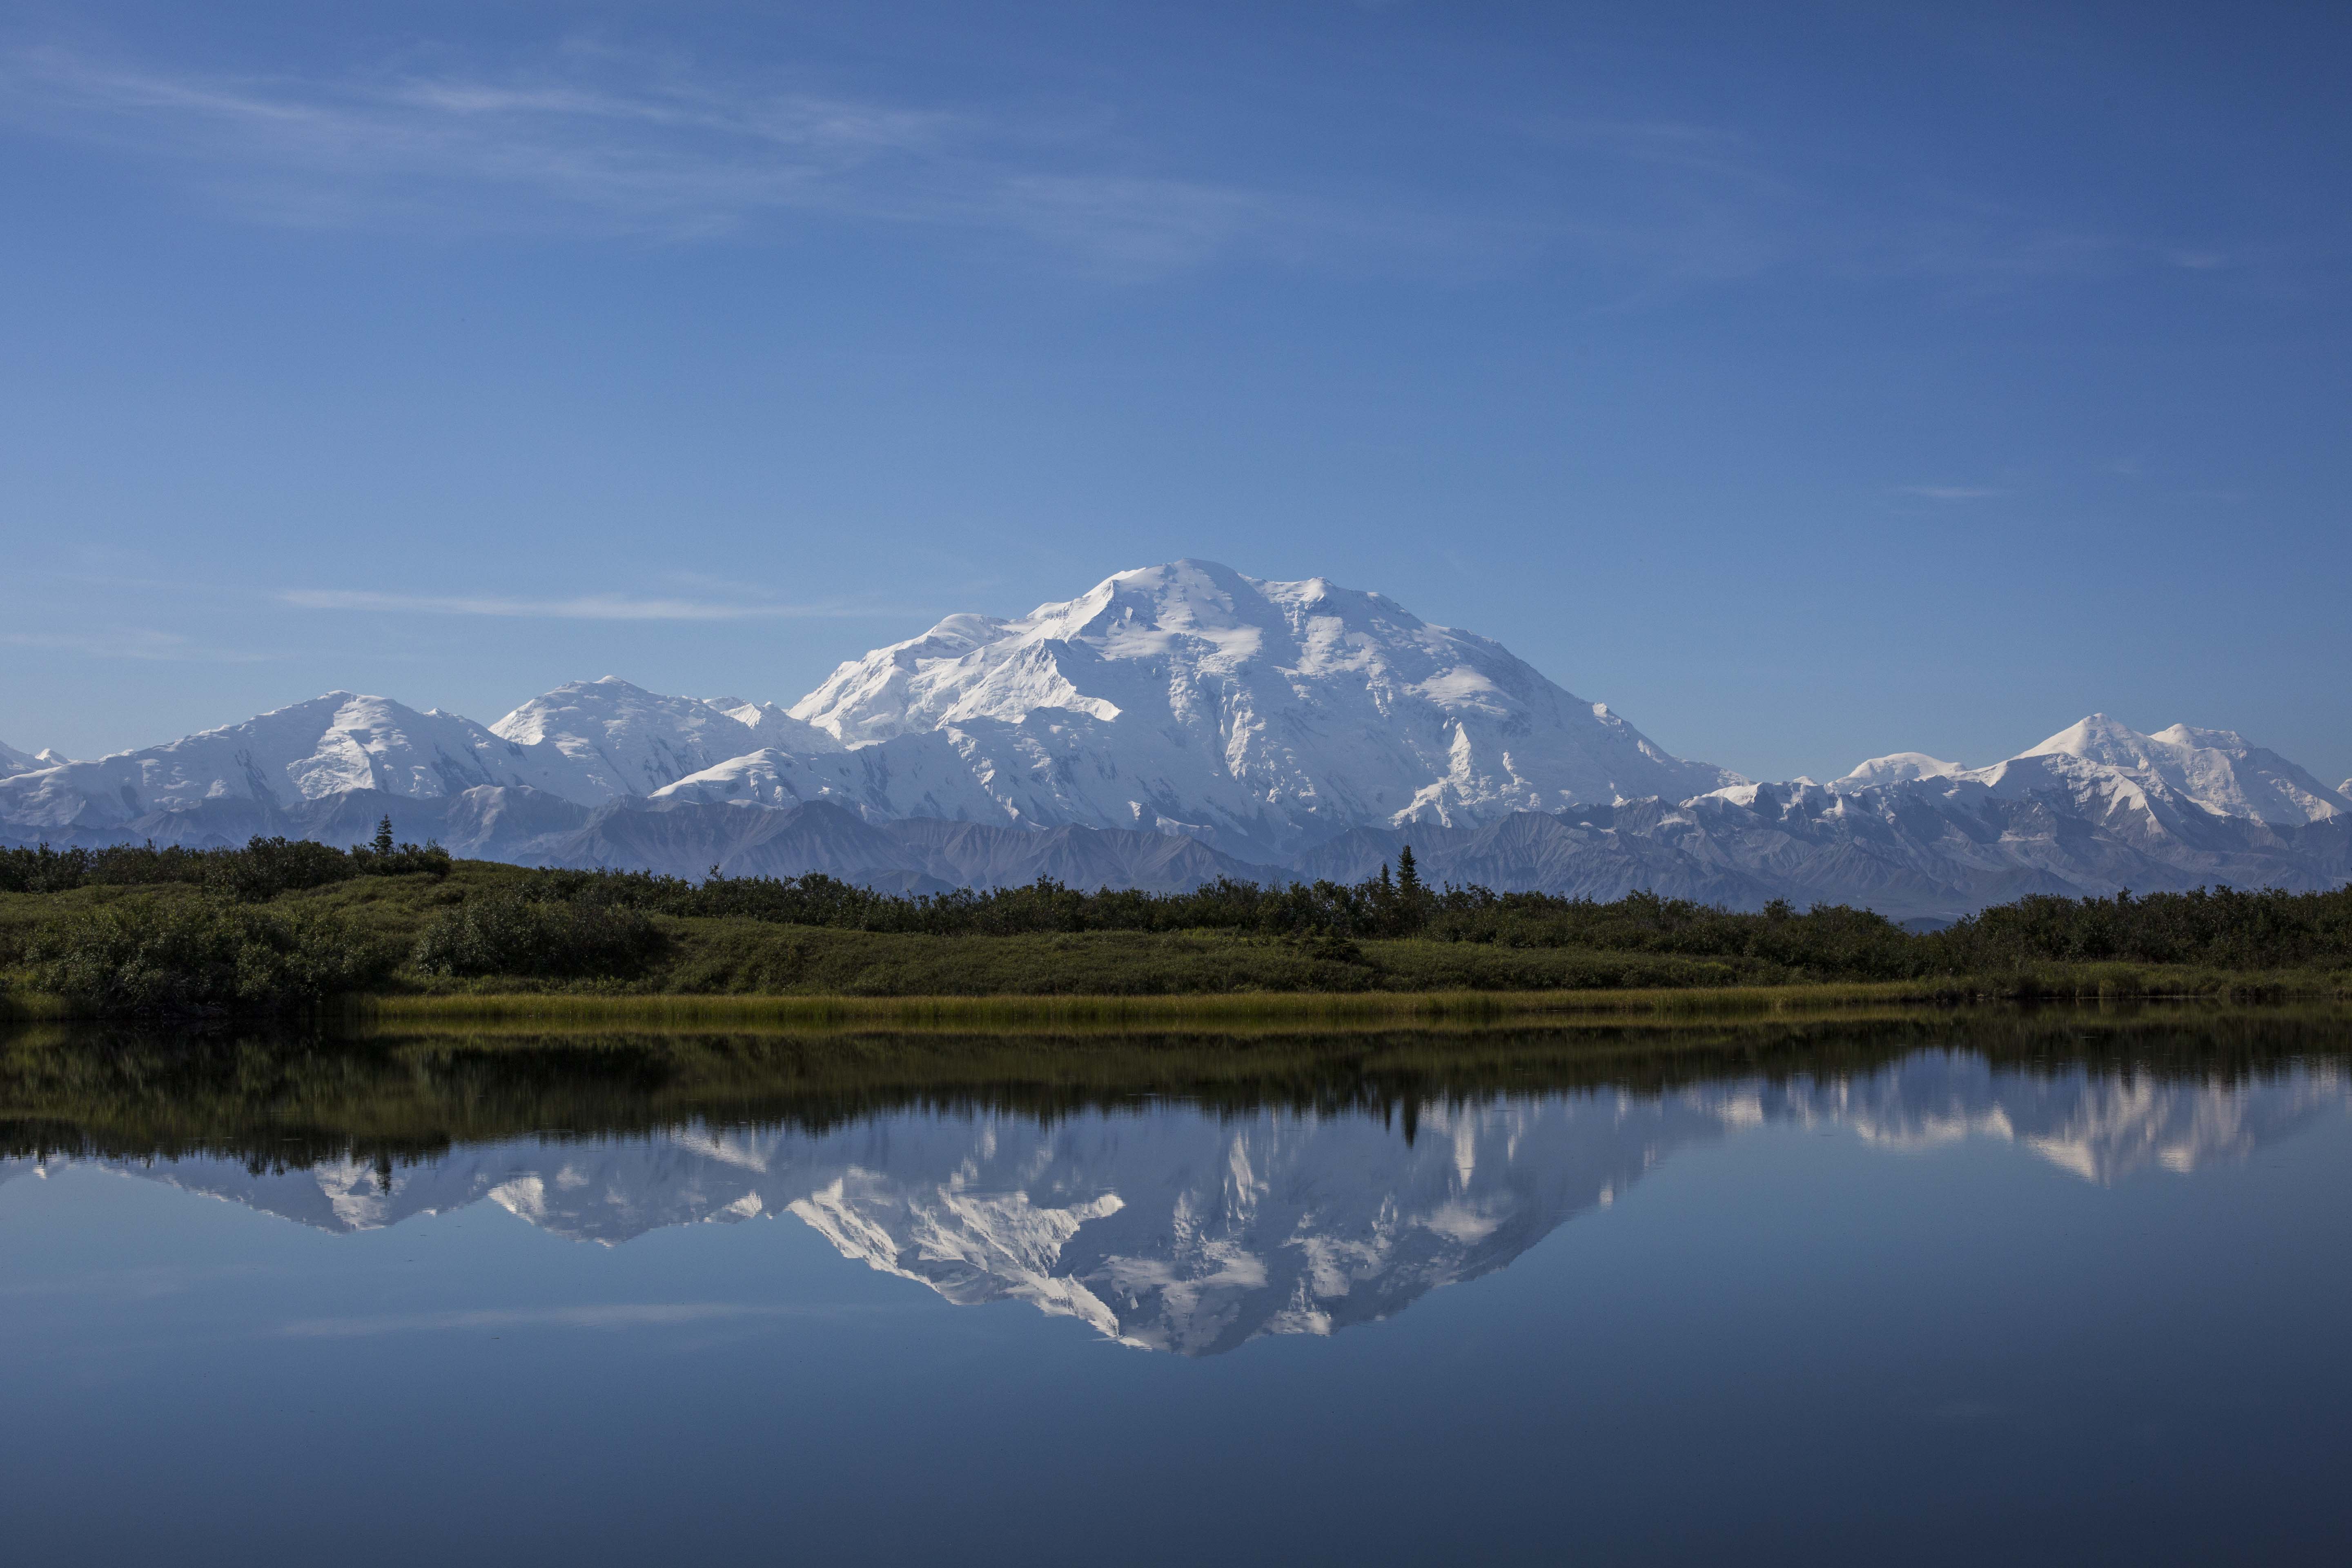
(1185, 721)
(1178, 1229)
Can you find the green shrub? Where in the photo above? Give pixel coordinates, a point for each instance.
(43, 869)
(269, 866)
(261, 871)
(506, 934)
(2221, 927)
(199, 955)
(401, 860)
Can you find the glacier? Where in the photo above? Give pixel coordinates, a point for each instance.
(1184, 722)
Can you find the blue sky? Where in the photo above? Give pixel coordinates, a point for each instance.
(1807, 382)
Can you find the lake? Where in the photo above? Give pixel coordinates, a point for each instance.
(2067, 1286)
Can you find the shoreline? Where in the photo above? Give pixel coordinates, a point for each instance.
(2056, 983)
(1313, 1007)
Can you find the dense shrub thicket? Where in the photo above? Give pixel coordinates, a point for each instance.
(201, 955)
(2217, 927)
(506, 933)
(1380, 906)
(2220, 928)
(261, 870)
(227, 949)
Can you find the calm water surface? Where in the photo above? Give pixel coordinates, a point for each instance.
(2072, 1292)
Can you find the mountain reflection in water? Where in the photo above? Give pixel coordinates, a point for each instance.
(1190, 1216)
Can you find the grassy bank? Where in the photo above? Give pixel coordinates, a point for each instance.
(1223, 1011)
(1271, 1008)
(475, 940)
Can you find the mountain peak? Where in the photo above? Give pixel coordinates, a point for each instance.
(1898, 766)
(630, 741)
(2215, 768)
(1192, 694)
(2219, 740)
(2097, 737)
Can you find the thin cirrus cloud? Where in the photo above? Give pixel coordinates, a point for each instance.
(585, 607)
(603, 142)
(1948, 492)
(588, 142)
(140, 643)
(611, 1315)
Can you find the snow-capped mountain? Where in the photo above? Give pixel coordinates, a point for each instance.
(1897, 767)
(633, 742)
(1260, 715)
(13, 761)
(2215, 768)
(1286, 727)
(1196, 1232)
(327, 746)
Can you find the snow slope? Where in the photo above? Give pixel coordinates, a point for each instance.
(13, 761)
(1894, 768)
(633, 742)
(1287, 727)
(2216, 768)
(306, 751)
(1260, 715)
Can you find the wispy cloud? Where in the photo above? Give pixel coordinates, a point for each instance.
(593, 140)
(1948, 492)
(133, 643)
(616, 1315)
(586, 607)
(632, 142)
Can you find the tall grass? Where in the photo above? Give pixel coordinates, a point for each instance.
(1322, 1009)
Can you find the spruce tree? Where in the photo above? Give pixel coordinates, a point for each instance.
(384, 835)
(1408, 875)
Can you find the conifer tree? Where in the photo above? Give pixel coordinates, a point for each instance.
(1413, 898)
(384, 835)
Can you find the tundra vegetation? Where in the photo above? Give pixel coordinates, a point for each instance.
(284, 926)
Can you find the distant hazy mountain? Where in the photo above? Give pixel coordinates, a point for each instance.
(1195, 1233)
(1271, 728)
